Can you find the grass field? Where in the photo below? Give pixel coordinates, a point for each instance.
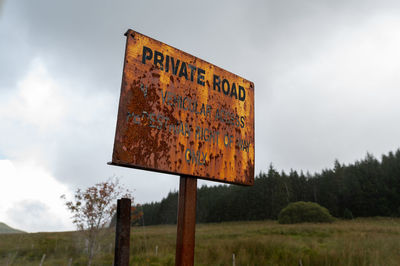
(373, 241)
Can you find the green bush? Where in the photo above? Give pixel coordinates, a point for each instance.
(300, 212)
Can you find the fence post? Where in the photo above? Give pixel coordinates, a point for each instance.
(42, 260)
(122, 232)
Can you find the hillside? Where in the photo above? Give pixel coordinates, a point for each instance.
(5, 229)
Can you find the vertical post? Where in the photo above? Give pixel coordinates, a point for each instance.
(185, 239)
(122, 234)
(42, 260)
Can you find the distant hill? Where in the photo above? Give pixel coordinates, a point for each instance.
(5, 229)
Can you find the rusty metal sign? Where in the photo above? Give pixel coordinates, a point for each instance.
(181, 115)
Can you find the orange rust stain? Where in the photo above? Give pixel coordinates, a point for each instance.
(150, 126)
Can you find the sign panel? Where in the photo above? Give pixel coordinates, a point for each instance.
(181, 115)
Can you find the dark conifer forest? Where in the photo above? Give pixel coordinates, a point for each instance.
(369, 187)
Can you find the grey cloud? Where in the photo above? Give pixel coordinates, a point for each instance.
(268, 42)
(84, 40)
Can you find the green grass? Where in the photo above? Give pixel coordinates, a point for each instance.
(372, 241)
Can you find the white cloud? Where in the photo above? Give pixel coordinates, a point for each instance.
(38, 99)
(30, 198)
(43, 122)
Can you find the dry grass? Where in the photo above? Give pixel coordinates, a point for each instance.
(374, 241)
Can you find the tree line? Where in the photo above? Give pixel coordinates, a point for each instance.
(369, 187)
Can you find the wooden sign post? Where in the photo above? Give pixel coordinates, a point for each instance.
(185, 238)
(179, 114)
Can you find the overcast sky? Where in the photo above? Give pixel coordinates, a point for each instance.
(326, 77)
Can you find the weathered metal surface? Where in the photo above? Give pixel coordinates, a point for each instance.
(122, 232)
(186, 227)
(181, 115)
